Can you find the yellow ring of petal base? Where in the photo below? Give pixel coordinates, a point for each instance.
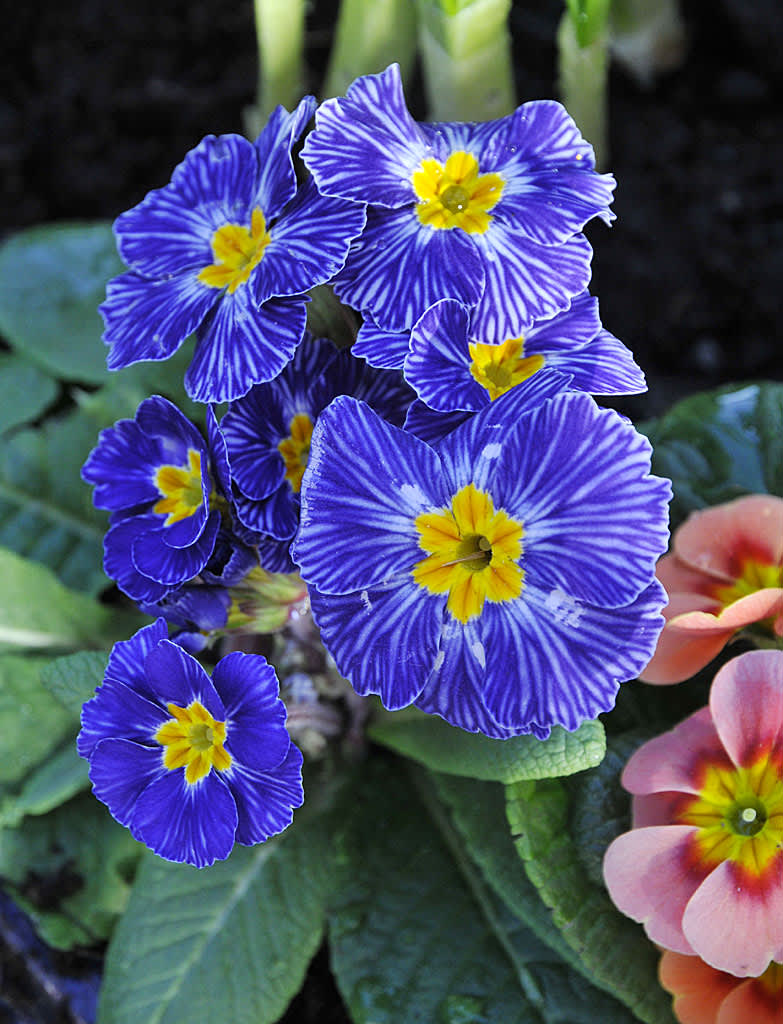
(473, 553)
(499, 368)
(193, 740)
(739, 815)
(237, 253)
(181, 489)
(455, 195)
(295, 450)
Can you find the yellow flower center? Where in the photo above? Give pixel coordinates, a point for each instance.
(455, 195)
(237, 253)
(473, 552)
(181, 489)
(739, 815)
(753, 576)
(295, 450)
(193, 740)
(498, 368)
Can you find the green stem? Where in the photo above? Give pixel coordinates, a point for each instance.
(583, 73)
(280, 33)
(370, 35)
(466, 53)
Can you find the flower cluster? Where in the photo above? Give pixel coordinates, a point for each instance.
(476, 536)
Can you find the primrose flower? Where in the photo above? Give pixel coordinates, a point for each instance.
(190, 765)
(702, 868)
(268, 431)
(154, 474)
(504, 580)
(725, 572)
(488, 214)
(227, 250)
(703, 995)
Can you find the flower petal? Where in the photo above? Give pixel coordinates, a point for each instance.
(170, 566)
(179, 679)
(120, 771)
(256, 735)
(698, 989)
(276, 181)
(126, 661)
(746, 701)
(673, 761)
(604, 366)
(118, 710)
(687, 643)
(438, 361)
(718, 540)
(380, 347)
(265, 800)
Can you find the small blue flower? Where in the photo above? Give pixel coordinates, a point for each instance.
(154, 474)
(268, 431)
(487, 214)
(504, 580)
(227, 250)
(190, 765)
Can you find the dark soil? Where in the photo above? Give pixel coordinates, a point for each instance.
(100, 101)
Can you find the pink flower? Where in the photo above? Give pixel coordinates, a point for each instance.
(702, 869)
(725, 572)
(703, 995)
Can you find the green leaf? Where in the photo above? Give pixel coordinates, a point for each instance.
(616, 952)
(26, 391)
(444, 748)
(417, 936)
(46, 511)
(52, 279)
(58, 778)
(32, 723)
(589, 18)
(70, 870)
(256, 919)
(719, 445)
(74, 678)
(38, 612)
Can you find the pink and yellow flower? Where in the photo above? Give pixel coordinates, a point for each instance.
(703, 995)
(702, 869)
(724, 572)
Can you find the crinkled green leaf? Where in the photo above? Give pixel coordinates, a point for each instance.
(255, 919)
(52, 279)
(26, 391)
(719, 445)
(443, 748)
(32, 723)
(74, 678)
(60, 776)
(616, 952)
(417, 935)
(37, 612)
(70, 870)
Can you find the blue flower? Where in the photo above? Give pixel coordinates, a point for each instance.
(190, 765)
(503, 580)
(154, 474)
(227, 250)
(488, 214)
(268, 431)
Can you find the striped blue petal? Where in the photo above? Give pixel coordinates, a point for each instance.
(183, 823)
(568, 657)
(454, 688)
(179, 679)
(127, 658)
(159, 418)
(276, 180)
(565, 331)
(118, 564)
(602, 367)
(379, 347)
(149, 320)
(383, 639)
(159, 561)
(595, 521)
(400, 267)
(121, 467)
(432, 426)
(526, 281)
(265, 800)
(276, 515)
(256, 735)
(366, 146)
(118, 709)
(253, 428)
(438, 361)
(170, 231)
(120, 771)
(365, 483)
(385, 391)
(239, 346)
(309, 244)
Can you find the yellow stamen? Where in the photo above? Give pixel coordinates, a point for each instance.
(455, 195)
(295, 449)
(473, 553)
(498, 368)
(193, 740)
(237, 253)
(181, 489)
